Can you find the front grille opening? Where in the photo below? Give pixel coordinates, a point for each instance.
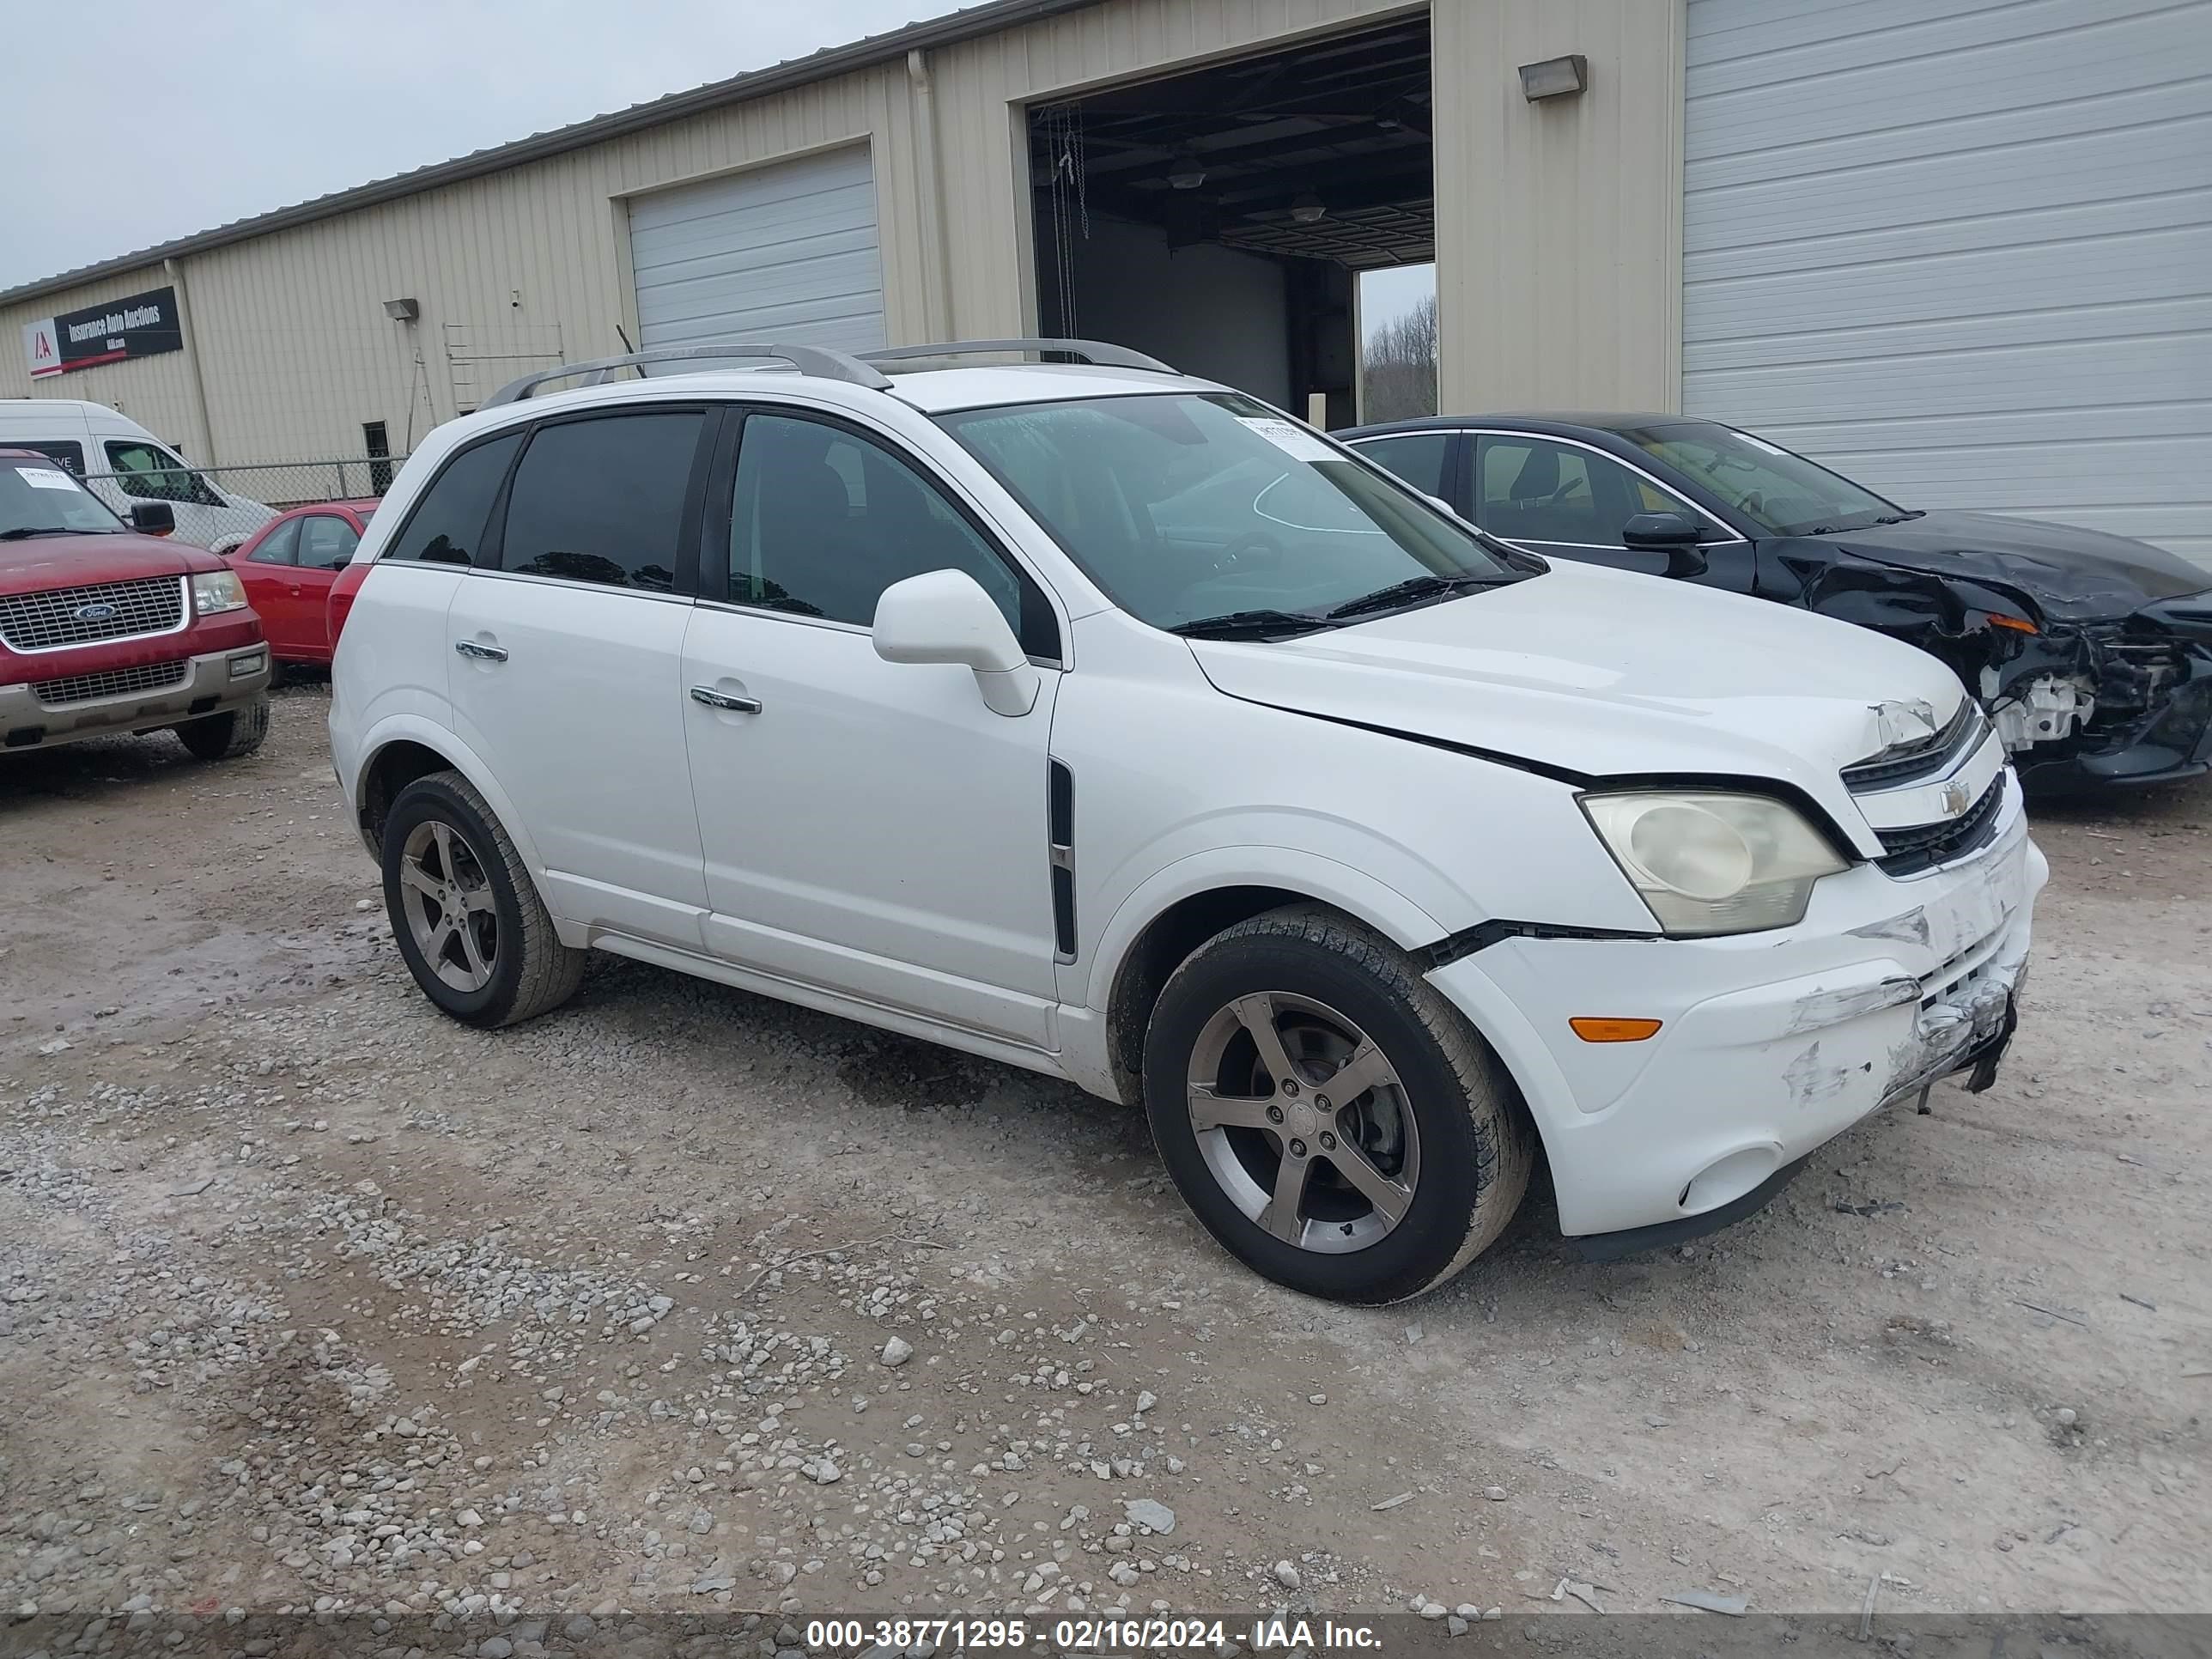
(1910, 763)
(100, 610)
(1924, 846)
(114, 683)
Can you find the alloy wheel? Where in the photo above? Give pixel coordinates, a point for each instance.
(452, 913)
(1304, 1121)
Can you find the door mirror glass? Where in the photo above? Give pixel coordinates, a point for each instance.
(946, 616)
(1669, 533)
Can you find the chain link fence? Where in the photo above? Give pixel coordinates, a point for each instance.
(271, 484)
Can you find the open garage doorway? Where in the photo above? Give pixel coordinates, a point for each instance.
(1219, 218)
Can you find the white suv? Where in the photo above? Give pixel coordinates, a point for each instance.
(1109, 723)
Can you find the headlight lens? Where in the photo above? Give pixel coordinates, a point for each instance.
(1710, 863)
(215, 591)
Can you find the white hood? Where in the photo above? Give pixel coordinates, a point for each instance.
(1605, 672)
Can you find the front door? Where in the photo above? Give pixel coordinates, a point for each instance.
(567, 644)
(1568, 502)
(868, 826)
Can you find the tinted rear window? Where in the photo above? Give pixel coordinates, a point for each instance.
(448, 525)
(601, 500)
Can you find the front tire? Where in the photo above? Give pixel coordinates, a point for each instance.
(1331, 1120)
(229, 735)
(466, 916)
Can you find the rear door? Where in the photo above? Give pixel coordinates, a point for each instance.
(567, 642)
(1427, 460)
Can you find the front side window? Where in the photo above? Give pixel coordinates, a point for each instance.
(149, 473)
(449, 523)
(1784, 494)
(1418, 458)
(823, 521)
(1531, 489)
(1195, 509)
(38, 498)
(601, 500)
(326, 542)
(280, 546)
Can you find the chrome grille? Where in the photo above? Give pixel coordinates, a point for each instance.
(119, 610)
(114, 683)
(1924, 846)
(1910, 763)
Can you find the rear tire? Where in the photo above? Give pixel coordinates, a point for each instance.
(229, 735)
(1393, 1185)
(465, 914)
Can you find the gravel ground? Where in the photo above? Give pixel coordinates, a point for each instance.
(684, 1300)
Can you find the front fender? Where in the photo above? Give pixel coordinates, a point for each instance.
(1357, 894)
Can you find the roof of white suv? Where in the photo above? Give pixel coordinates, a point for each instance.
(1106, 371)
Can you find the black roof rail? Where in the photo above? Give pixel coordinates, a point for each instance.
(1101, 353)
(818, 361)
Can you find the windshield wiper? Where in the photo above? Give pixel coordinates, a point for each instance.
(23, 532)
(1249, 625)
(1410, 591)
(1900, 518)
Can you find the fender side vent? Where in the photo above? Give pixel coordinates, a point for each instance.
(1059, 819)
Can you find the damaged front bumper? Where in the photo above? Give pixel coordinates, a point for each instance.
(1771, 1043)
(2149, 679)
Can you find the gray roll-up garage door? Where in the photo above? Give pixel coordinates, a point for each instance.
(784, 252)
(1961, 250)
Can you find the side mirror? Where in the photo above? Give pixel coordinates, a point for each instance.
(152, 518)
(946, 616)
(1669, 533)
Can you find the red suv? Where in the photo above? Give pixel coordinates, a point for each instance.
(105, 629)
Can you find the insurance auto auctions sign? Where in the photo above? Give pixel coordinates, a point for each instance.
(140, 327)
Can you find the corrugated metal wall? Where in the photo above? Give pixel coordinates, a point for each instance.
(1961, 250)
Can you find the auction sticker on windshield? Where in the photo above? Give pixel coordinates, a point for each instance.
(44, 478)
(1294, 440)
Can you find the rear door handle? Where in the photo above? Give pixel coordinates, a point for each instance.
(714, 699)
(481, 652)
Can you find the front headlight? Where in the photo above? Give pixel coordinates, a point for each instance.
(1710, 863)
(215, 591)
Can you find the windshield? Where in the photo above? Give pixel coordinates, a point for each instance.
(38, 498)
(1785, 494)
(1191, 508)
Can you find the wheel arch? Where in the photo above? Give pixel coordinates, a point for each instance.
(402, 749)
(1179, 907)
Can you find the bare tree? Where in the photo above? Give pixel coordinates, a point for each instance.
(1401, 366)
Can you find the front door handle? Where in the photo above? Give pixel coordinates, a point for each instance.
(714, 699)
(479, 651)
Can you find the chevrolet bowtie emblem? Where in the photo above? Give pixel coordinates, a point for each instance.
(1955, 799)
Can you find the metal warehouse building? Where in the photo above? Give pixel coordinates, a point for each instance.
(1959, 248)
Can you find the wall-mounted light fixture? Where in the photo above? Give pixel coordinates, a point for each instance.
(1308, 210)
(1555, 77)
(1185, 170)
(402, 311)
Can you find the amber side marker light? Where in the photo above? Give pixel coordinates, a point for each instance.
(1615, 1031)
(2015, 623)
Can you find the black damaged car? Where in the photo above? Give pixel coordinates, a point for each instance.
(2093, 653)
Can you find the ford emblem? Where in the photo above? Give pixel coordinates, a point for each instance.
(1955, 799)
(94, 613)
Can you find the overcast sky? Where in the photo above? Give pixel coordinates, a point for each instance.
(163, 119)
(156, 120)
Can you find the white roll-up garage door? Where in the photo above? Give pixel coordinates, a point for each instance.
(785, 252)
(1961, 250)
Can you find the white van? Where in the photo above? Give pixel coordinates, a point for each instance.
(121, 462)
